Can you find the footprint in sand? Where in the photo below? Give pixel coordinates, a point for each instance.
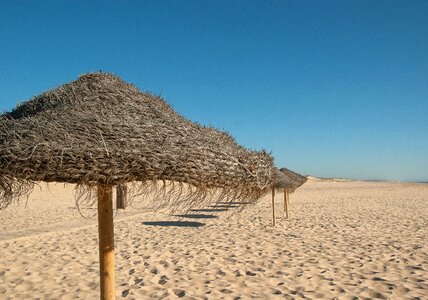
(125, 293)
(179, 293)
(226, 291)
(163, 280)
(220, 272)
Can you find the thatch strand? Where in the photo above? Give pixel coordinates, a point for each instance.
(101, 130)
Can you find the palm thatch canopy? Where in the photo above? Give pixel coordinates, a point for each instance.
(102, 130)
(281, 180)
(288, 179)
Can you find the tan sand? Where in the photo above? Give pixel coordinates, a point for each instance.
(343, 239)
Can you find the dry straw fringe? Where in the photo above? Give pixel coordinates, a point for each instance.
(173, 197)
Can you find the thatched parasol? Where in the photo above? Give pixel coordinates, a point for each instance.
(282, 181)
(289, 181)
(100, 131)
(297, 179)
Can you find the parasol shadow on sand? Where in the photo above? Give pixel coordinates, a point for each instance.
(99, 132)
(174, 223)
(197, 216)
(208, 210)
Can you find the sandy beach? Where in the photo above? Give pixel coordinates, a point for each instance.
(344, 239)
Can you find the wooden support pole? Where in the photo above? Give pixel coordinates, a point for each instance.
(286, 202)
(121, 196)
(106, 242)
(273, 206)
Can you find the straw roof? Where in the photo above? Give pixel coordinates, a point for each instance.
(287, 179)
(281, 180)
(102, 130)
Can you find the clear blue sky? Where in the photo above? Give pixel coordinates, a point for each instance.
(332, 88)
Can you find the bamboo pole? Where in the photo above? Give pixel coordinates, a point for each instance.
(121, 196)
(106, 242)
(273, 206)
(286, 202)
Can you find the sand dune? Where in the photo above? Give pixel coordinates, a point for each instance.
(343, 239)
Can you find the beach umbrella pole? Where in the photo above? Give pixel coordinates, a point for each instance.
(273, 206)
(106, 242)
(121, 196)
(286, 202)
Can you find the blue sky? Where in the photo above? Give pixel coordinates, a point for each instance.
(331, 88)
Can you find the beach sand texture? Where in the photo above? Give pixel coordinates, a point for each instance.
(343, 239)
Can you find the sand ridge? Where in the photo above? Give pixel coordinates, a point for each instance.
(343, 239)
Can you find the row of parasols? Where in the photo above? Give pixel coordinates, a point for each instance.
(100, 132)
